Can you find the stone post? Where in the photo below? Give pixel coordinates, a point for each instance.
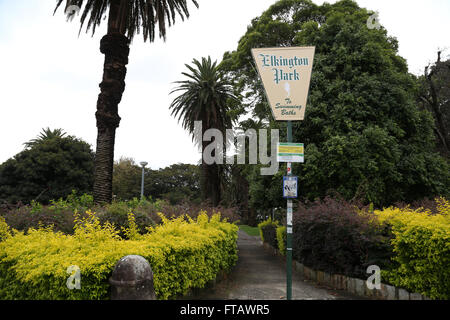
(132, 279)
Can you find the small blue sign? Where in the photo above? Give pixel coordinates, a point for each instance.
(290, 187)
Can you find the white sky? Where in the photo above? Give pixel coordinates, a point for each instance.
(49, 76)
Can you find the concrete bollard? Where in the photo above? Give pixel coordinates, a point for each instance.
(132, 279)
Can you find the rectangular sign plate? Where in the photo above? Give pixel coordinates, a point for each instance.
(290, 152)
(290, 187)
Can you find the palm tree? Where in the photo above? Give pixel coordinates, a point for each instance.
(125, 19)
(205, 97)
(46, 134)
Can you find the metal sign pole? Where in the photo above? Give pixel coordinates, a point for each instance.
(289, 227)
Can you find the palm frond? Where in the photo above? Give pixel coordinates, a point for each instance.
(204, 96)
(145, 14)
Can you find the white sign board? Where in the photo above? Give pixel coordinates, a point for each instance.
(286, 74)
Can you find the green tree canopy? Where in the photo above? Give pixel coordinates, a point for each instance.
(175, 183)
(51, 166)
(364, 134)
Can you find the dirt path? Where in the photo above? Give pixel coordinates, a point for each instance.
(259, 275)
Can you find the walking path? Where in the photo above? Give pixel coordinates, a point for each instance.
(259, 275)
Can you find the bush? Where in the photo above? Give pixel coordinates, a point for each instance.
(422, 249)
(183, 255)
(332, 236)
(59, 213)
(268, 233)
(117, 214)
(29, 217)
(5, 230)
(281, 239)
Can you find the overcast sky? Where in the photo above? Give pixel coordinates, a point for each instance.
(49, 76)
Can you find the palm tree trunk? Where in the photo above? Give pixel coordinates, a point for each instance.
(115, 46)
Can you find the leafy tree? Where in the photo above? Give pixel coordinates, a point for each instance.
(125, 20)
(50, 167)
(127, 177)
(434, 95)
(176, 183)
(364, 134)
(205, 97)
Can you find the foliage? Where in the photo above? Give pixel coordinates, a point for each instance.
(127, 179)
(118, 214)
(5, 230)
(434, 95)
(176, 183)
(281, 239)
(422, 249)
(333, 236)
(59, 214)
(365, 136)
(268, 233)
(49, 168)
(411, 246)
(183, 254)
(46, 134)
(136, 14)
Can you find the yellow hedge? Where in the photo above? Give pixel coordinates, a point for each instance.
(182, 254)
(422, 249)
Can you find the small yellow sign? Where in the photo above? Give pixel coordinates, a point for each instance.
(290, 152)
(290, 149)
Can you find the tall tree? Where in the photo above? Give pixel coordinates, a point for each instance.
(206, 96)
(125, 19)
(435, 97)
(365, 136)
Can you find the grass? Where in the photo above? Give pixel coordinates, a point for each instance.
(251, 231)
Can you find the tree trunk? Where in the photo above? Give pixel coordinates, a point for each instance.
(210, 179)
(115, 47)
(215, 184)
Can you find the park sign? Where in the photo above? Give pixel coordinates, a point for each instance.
(286, 74)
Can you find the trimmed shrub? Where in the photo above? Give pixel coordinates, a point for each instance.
(5, 230)
(268, 232)
(117, 214)
(281, 239)
(32, 217)
(183, 255)
(333, 236)
(422, 249)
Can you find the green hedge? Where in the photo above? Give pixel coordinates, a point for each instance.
(281, 239)
(412, 247)
(183, 255)
(268, 232)
(422, 249)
